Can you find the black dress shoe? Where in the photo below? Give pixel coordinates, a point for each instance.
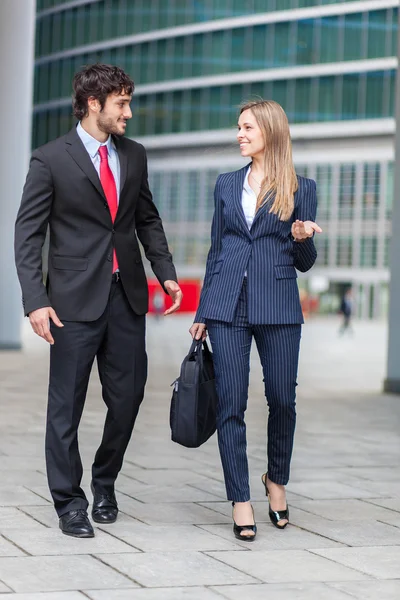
(105, 507)
(77, 524)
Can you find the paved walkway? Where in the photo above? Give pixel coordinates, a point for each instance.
(173, 539)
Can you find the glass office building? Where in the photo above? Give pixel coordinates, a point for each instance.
(330, 64)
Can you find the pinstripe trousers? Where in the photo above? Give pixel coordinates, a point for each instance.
(278, 348)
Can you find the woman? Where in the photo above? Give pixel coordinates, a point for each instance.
(262, 232)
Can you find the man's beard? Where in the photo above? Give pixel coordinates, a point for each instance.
(106, 125)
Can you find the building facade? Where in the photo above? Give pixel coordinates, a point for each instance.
(332, 67)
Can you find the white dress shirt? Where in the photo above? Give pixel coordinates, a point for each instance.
(92, 147)
(249, 200)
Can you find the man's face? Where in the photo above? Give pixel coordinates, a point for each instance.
(116, 112)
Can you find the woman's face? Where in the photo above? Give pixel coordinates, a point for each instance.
(249, 136)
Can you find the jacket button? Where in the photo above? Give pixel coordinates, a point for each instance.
(113, 230)
(109, 257)
(105, 205)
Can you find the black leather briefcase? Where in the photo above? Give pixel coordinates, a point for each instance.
(194, 398)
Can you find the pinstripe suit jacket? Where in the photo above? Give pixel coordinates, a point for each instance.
(266, 251)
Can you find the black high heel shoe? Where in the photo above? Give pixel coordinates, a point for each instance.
(275, 515)
(237, 529)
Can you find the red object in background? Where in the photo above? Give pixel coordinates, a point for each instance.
(191, 289)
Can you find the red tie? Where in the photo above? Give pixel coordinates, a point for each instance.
(110, 190)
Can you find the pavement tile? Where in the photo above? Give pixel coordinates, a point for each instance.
(273, 591)
(7, 548)
(163, 476)
(171, 538)
(167, 569)
(175, 593)
(180, 513)
(46, 596)
(326, 490)
(4, 589)
(41, 491)
(382, 562)
(44, 514)
(168, 462)
(59, 573)
(370, 590)
(13, 518)
(390, 503)
(375, 475)
(12, 495)
(285, 566)
(25, 478)
(394, 522)
(357, 533)
(343, 510)
(270, 538)
(173, 493)
(52, 542)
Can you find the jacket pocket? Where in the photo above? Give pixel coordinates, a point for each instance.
(70, 263)
(218, 266)
(285, 272)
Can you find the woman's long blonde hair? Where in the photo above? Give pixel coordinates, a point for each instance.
(280, 181)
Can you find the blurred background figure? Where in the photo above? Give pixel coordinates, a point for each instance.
(158, 304)
(346, 307)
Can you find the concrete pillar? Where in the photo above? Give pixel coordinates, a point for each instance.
(392, 381)
(17, 33)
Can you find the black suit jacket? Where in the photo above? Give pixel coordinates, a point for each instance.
(63, 190)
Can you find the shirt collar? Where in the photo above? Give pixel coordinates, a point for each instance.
(91, 144)
(246, 184)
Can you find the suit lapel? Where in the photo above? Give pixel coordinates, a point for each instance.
(123, 164)
(238, 182)
(78, 152)
(265, 207)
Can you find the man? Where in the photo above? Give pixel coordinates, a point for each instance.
(90, 187)
(346, 307)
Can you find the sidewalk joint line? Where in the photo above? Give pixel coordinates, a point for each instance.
(96, 557)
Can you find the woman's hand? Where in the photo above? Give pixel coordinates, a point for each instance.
(198, 330)
(301, 230)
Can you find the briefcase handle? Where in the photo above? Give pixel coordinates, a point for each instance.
(196, 347)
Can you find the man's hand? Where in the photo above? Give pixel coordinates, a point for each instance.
(175, 292)
(40, 322)
(301, 230)
(198, 330)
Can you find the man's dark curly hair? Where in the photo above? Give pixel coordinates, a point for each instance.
(98, 81)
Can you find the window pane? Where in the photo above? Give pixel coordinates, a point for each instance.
(329, 39)
(389, 190)
(282, 44)
(324, 192)
(305, 42)
(350, 96)
(353, 36)
(327, 111)
(344, 251)
(377, 33)
(371, 187)
(238, 49)
(346, 191)
(374, 95)
(369, 248)
(302, 100)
